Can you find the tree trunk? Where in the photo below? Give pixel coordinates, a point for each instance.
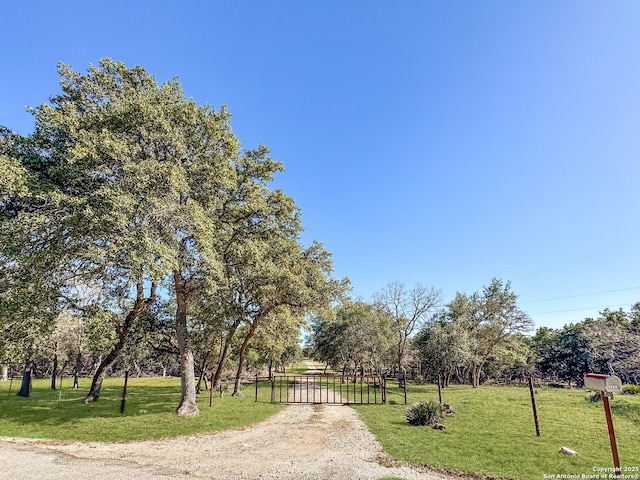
(26, 380)
(224, 354)
(241, 356)
(188, 406)
(270, 367)
(5, 373)
(140, 305)
(202, 373)
(76, 371)
(54, 373)
(101, 372)
(399, 356)
(476, 371)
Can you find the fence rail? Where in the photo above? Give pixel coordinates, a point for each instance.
(328, 389)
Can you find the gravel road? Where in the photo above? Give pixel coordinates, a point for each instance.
(300, 442)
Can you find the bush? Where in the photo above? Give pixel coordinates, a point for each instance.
(420, 380)
(426, 412)
(631, 389)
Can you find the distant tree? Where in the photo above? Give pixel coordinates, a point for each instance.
(445, 347)
(607, 344)
(614, 345)
(546, 348)
(360, 338)
(515, 361)
(408, 309)
(277, 344)
(490, 317)
(286, 281)
(634, 318)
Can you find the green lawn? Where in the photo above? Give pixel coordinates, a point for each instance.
(62, 415)
(493, 432)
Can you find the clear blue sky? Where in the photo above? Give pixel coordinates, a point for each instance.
(443, 142)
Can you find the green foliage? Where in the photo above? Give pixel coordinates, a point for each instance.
(126, 182)
(360, 336)
(444, 346)
(425, 412)
(606, 344)
(408, 309)
(13, 179)
(513, 361)
(631, 389)
(491, 317)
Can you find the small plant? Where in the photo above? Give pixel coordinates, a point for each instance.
(448, 410)
(426, 412)
(593, 397)
(631, 389)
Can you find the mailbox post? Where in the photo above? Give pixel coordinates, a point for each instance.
(606, 384)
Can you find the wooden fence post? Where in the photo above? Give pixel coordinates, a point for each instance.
(533, 405)
(124, 391)
(612, 434)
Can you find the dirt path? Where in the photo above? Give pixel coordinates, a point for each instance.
(301, 442)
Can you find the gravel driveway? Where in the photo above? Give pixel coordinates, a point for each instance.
(300, 442)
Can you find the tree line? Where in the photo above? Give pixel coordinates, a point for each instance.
(133, 221)
(475, 338)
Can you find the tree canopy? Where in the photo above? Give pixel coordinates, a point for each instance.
(127, 185)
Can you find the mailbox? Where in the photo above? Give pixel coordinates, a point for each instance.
(608, 384)
(603, 383)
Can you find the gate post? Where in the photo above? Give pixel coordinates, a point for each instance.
(384, 390)
(211, 390)
(256, 387)
(124, 390)
(404, 384)
(273, 389)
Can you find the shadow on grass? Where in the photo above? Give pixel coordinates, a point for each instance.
(624, 409)
(149, 412)
(66, 406)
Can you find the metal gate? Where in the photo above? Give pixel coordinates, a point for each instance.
(330, 389)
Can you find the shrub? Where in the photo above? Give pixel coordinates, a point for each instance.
(426, 412)
(631, 389)
(419, 380)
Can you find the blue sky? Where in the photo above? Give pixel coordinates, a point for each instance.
(441, 143)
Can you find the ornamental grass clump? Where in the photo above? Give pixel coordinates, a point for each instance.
(425, 412)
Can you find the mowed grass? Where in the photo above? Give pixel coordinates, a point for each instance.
(149, 411)
(493, 432)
